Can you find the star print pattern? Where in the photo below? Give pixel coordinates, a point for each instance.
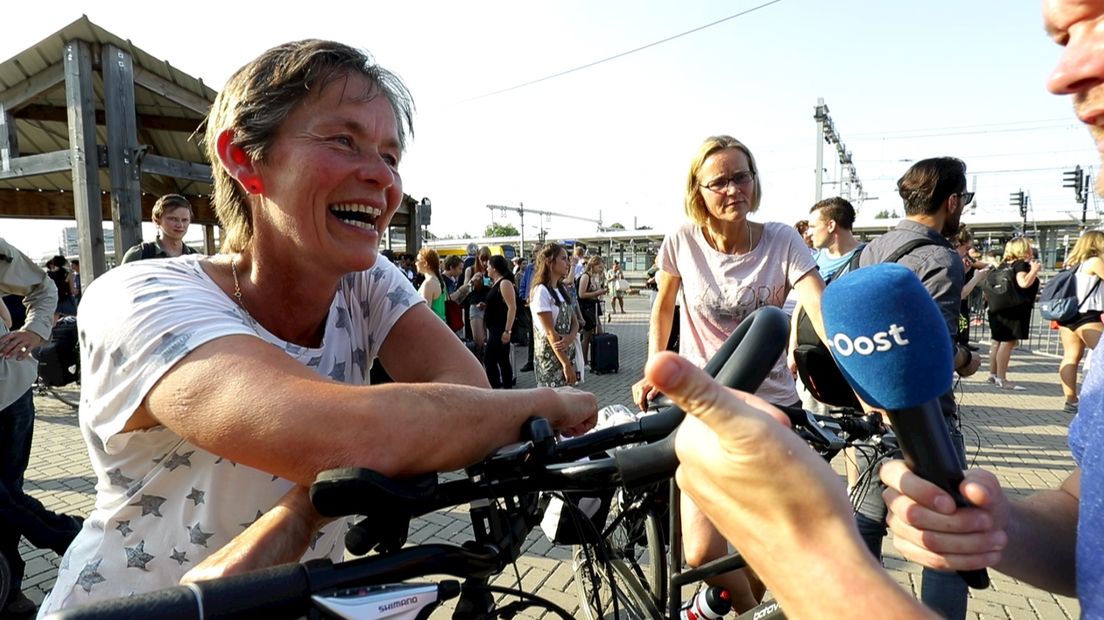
(117, 479)
(178, 460)
(151, 505)
(197, 536)
(338, 372)
(248, 523)
(137, 556)
(124, 528)
(196, 496)
(399, 296)
(162, 518)
(90, 576)
(342, 320)
(172, 346)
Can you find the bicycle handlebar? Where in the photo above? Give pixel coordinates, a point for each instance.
(743, 362)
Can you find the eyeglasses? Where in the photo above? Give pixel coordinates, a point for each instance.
(966, 197)
(720, 185)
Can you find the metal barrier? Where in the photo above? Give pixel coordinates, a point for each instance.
(1042, 338)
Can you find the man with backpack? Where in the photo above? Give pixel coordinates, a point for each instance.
(934, 194)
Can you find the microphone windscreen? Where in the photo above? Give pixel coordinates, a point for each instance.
(888, 336)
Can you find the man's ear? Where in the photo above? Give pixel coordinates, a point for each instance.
(238, 163)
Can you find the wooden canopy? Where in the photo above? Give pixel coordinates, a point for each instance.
(79, 141)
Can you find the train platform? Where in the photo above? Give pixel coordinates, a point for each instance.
(1020, 436)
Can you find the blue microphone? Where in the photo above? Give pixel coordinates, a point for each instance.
(891, 343)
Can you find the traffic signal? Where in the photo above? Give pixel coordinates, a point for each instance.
(1017, 199)
(1074, 179)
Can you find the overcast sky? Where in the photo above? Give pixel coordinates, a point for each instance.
(904, 80)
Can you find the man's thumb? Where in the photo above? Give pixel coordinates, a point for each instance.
(691, 389)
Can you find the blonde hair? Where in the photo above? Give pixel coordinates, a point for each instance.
(1089, 244)
(1016, 249)
(694, 202)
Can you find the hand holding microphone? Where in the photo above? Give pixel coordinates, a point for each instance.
(896, 353)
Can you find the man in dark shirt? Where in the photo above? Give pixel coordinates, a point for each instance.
(934, 193)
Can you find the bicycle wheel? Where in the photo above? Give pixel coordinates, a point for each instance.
(625, 577)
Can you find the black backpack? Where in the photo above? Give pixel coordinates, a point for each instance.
(815, 365)
(1001, 289)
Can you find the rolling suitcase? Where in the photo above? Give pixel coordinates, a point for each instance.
(604, 354)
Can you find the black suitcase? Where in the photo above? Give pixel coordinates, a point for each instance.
(604, 355)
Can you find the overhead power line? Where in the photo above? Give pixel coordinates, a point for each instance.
(616, 56)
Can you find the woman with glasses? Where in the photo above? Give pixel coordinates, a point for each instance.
(1009, 321)
(721, 266)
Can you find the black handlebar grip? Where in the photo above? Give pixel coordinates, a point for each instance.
(644, 465)
(278, 592)
(761, 339)
(179, 603)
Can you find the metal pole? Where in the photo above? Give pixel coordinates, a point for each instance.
(819, 153)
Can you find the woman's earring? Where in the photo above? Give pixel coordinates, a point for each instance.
(254, 187)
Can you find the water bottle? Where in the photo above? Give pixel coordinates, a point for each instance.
(708, 604)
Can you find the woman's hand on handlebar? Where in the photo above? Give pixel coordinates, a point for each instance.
(929, 529)
(279, 536)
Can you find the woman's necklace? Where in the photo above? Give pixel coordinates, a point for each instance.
(237, 288)
(719, 245)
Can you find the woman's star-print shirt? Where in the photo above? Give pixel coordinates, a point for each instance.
(163, 504)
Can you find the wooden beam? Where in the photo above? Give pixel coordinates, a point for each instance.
(39, 83)
(159, 85)
(80, 102)
(122, 148)
(24, 204)
(9, 142)
(177, 168)
(32, 165)
(58, 114)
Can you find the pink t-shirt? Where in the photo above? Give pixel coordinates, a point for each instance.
(719, 290)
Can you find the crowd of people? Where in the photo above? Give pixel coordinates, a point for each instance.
(305, 161)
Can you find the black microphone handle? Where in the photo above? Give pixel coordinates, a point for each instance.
(930, 453)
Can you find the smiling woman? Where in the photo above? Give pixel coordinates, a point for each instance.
(216, 388)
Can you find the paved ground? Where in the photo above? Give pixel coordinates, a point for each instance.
(1021, 436)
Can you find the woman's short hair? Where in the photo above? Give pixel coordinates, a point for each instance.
(1089, 244)
(170, 202)
(1016, 249)
(694, 202)
(260, 96)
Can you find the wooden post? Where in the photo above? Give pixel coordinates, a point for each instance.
(9, 146)
(84, 159)
(123, 152)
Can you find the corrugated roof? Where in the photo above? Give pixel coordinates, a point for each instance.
(164, 123)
